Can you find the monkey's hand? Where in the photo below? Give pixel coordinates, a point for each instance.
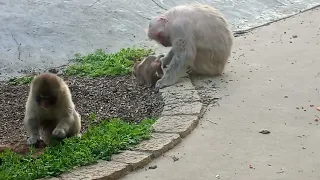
(60, 133)
(32, 140)
(160, 84)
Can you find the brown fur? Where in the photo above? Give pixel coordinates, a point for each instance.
(45, 118)
(148, 71)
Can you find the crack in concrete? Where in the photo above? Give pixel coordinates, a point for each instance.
(142, 16)
(91, 5)
(159, 5)
(18, 45)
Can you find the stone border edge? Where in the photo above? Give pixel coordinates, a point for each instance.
(180, 116)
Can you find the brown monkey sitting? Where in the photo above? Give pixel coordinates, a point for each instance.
(50, 111)
(148, 71)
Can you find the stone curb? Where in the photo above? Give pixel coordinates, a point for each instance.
(179, 118)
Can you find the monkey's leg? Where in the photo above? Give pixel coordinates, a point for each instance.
(76, 125)
(32, 128)
(46, 135)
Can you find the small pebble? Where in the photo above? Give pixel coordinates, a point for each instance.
(174, 158)
(53, 70)
(153, 167)
(265, 132)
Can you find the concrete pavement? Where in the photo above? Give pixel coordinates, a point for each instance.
(272, 83)
(37, 35)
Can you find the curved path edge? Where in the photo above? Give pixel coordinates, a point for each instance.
(180, 116)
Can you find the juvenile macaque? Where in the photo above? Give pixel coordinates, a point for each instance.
(50, 111)
(200, 37)
(148, 71)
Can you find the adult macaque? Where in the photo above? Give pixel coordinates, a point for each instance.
(50, 111)
(200, 37)
(148, 71)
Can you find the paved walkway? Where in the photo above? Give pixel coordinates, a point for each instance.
(37, 35)
(271, 83)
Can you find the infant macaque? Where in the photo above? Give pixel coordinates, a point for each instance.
(148, 71)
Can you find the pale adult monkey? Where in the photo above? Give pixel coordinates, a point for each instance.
(200, 37)
(50, 111)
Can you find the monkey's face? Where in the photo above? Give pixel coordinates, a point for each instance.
(163, 39)
(46, 99)
(158, 31)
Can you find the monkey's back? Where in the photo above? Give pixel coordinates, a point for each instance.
(209, 27)
(211, 34)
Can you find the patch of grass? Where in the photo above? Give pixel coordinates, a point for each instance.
(21, 80)
(99, 142)
(99, 63)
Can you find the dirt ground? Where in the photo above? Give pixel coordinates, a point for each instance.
(107, 97)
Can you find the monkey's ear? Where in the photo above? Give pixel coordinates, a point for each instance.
(156, 64)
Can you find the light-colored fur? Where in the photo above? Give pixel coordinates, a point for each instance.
(206, 33)
(62, 120)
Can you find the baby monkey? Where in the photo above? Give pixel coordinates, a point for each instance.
(148, 71)
(50, 112)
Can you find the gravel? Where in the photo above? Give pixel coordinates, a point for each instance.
(107, 97)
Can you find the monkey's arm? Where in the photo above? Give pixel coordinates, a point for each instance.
(167, 59)
(64, 126)
(184, 52)
(32, 129)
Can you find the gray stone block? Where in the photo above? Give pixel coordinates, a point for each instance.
(183, 84)
(174, 97)
(183, 125)
(192, 108)
(159, 143)
(106, 170)
(135, 159)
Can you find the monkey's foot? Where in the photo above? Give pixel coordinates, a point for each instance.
(60, 133)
